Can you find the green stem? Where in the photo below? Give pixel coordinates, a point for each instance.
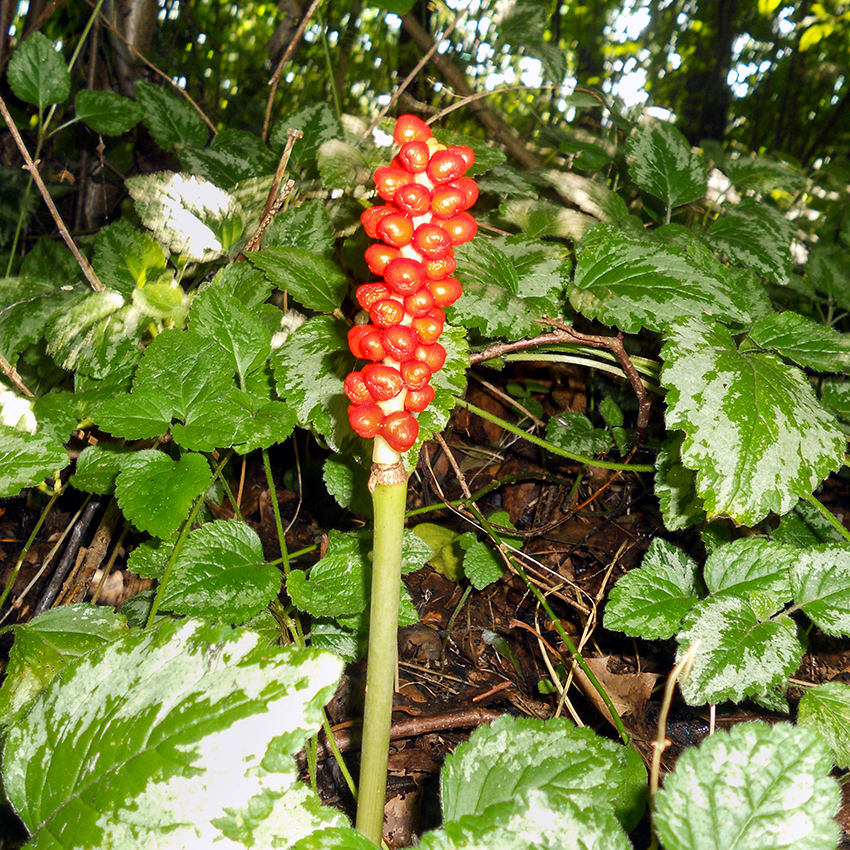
(550, 447)
(389, 496)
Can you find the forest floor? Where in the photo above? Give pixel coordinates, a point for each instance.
(475, 655)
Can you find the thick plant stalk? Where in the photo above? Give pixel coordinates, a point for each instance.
(388, 484)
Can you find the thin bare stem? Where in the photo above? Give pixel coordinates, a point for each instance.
(12, 374)
(84, 264)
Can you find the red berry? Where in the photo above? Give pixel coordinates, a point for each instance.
(432, 241)
(414, 374)
(389, 180)
(447, 200)
(414, 155)
(445, 291)
(404, 275)
(445, 166)
(465, 153)
(372, 344)
(413, 199)
(396, 230)
(383, 382)
(400, 430)
(355, 335)
(419, 303)
(379, 256)
(366, 419)
(369, 293)
(386, 313)
(433, 356)
(400, 342)
(460, 227)
(418, 400)
(428, 328)
(469, 188)
(436, 269)
(409, 128)
(356, 389)
(371, 218)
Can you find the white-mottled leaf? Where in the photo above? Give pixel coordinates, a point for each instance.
(820, 580)
(743, 649)
(755, 434)
(27, 459)
(755, 787)
(828, 270)
(626, 280)
(826, 709)
(803, 341)
(675, 487)
(662, 163)
(188, 215)
(750, 565)
(650, 601)
(181, 736)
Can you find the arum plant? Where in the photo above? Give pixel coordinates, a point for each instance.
(424, 217)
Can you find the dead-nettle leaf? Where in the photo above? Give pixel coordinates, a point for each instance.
(189, 215)
(754, 432)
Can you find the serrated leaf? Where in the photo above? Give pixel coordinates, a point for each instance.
(312, 280)
(828, 270)
(221, 575)
(26, 306)
(740, 654)
(593, 197)
(805, 526)
(27, 459)
(675, 487)
(185, 731)
(126, 258)
(751, 565)
(504, 180)
(487, 156)
(265, 426)
(335, 838)
(756, 236)
(318, 123)
(107, 112)
(836, 398)
(755, 787)
(346, 480)
(156, 493)
(482, 565)
(820, 580)
(48, 642)
(651, 601)
(575, 433)
(662, 163)
(307, 226)
(517, 755)
(826, 709)
(134, 416)
(150, 558)
(188, 215)
(755, 434)
(173, 122)
(233, 156)
(246, 284)
(98, 466)
(763, 175)
(342, 165)
(803, 341)
(626, 280)
(38, 74)
(508, 283)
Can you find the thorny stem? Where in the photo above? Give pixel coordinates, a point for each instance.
(388, 484)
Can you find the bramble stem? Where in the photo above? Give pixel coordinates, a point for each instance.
(389, 497)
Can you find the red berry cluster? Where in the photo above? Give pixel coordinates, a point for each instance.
(424, 217)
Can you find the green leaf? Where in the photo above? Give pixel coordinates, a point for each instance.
(826, 709)
(446, 555)
(508, 283)
(173, 122)
(538, 218)
(482, 565)
(232, 157)
(264, 425)
(318, 123)
(182, 734)
(625, 280)
(312, 280)
(307, 226)
(27, 459)
(820, 580)
(246, 284)
(650, 601)
(675, 486)
(221, 575)
(755, 434)
(188, 215)
(805, 526)
(37, 72)
(751, 565)
(756, 236)
(47, 643)
(335, 838)
(742, 652)
(126, 258)
(828, 270)
(803, 341)
(487, 156)
(574, 432)
(517, 755)
(662, 163)
(98, 467)
(107, 112)
(156, 493)
(755, 787)
(764, 175)
(346, 480)
(342, 165)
